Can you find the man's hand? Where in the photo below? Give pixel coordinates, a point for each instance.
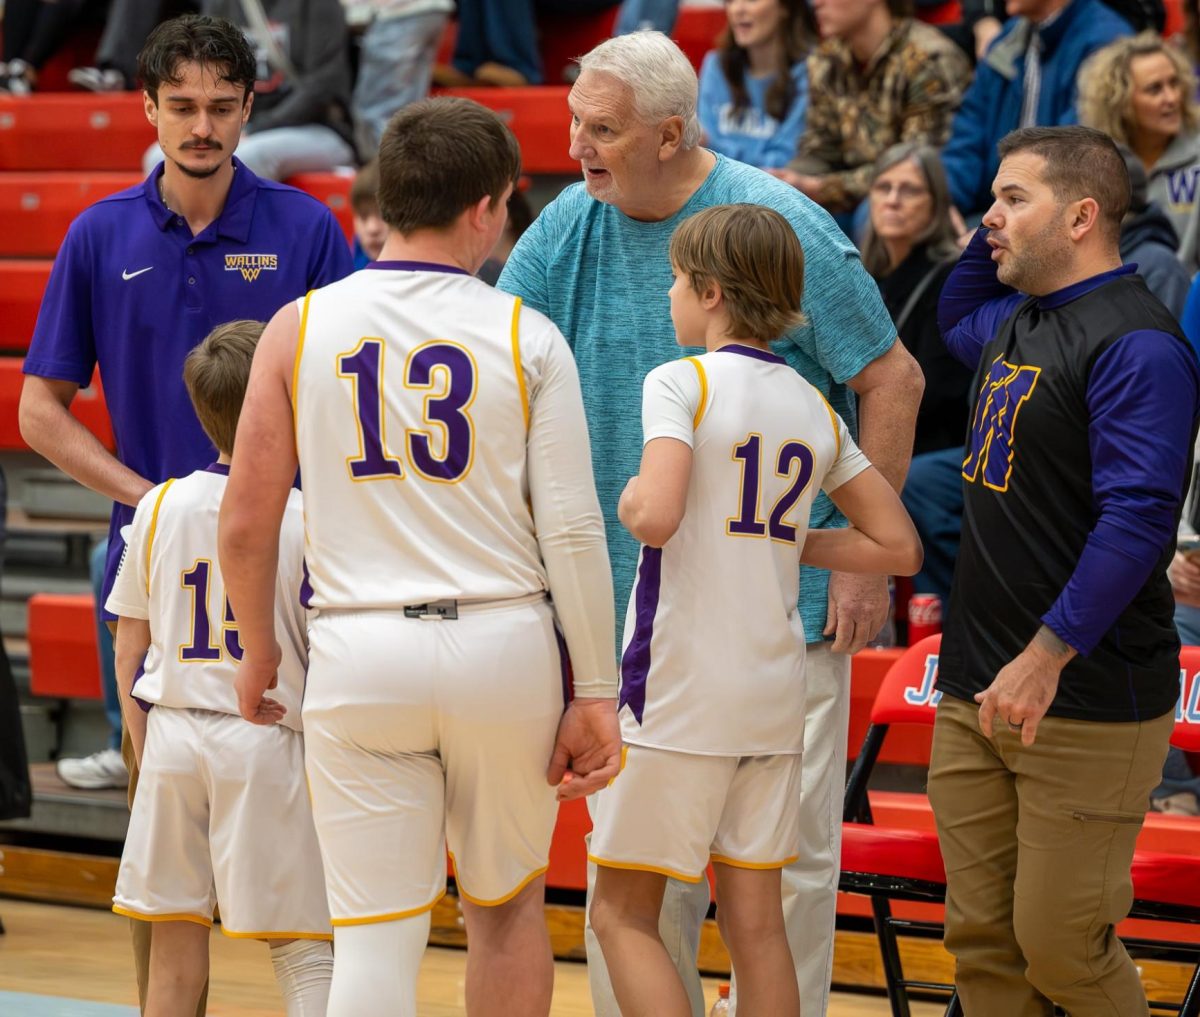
(587, 750)
(804, 182)
(858, 607)
(1022, 692)
(1185, 579)
(252, 681)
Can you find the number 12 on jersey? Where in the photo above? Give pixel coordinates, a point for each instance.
(444, 450)
(794, 457)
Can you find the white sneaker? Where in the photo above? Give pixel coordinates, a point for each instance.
(99, 770)
(95, 79)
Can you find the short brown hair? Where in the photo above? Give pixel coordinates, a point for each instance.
(439, 157)
(364, 191)
(754, 255)
(215, 374)
(215, 43)
(1081, 162)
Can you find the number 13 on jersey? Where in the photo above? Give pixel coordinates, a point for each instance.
(442, 450)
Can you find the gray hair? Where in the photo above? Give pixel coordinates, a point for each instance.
(661, 77)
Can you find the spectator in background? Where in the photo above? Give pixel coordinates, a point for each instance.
(300, 122)
(370, 231)
(395, 61)
(128, 24)
(34, 30)
(909, 248)
(497, 42)
(1141, 92)
(520, 217)
(1026, 78)
(877, 79)
(754, 85)
(1148, 241)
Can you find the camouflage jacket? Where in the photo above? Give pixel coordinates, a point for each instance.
(908, 91)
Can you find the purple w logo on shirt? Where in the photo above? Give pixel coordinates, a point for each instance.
(1001, 396)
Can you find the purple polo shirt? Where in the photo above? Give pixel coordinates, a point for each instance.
(133, 292)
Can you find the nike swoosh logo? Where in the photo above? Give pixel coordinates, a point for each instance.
(129, 275)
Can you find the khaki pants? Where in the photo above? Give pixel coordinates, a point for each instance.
(1038, 844)
(142, 931)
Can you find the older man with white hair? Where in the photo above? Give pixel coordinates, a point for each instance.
(595, 262)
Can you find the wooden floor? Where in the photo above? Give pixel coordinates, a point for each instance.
(84, 954)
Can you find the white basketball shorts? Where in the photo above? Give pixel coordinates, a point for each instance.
(221, 815)
(420, 731)
(670, 812)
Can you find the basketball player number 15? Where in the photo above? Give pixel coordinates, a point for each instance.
(444, 451)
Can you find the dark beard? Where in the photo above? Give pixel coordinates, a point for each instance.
(197, 174)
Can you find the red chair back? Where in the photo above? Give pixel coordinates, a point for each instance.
(907, 694)
(1186, 735)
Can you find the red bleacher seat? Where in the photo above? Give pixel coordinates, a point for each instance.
(21, 286)
(63, 659)
(89, 407)
(334, 190)
(74, 131)
(538, 117)
(37, 208)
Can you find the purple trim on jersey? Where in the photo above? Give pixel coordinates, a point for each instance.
(138, 674)
(416, 266)
(635, 662)
(306, 590)
(564, 665)
(219, 468)
(752, 353)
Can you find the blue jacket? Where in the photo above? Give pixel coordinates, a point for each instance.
(992, 106)
(752, 136)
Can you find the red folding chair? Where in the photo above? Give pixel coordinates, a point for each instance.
(887, 864)
(1166, 887)
(895, 864)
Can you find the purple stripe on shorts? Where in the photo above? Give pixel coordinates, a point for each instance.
(306, 590)
(635, 662)
(564, 664)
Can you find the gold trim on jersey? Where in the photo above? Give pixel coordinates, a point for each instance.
(516, 354)
(638, 867)
(153, 528)
(296, 360)
(197, 919)
(326, 936)
(700, 410)
(833, 420)
(735, 863)
(394, 916)
(479, 902)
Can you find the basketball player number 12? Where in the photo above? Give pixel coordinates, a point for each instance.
(446, 372)
(793, 457)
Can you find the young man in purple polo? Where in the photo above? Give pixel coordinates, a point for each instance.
(146, 273)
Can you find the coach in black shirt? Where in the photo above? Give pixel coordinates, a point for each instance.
(1059, 665)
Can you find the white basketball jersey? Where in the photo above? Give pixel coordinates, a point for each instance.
(170, 576)
(435, 419)
(713, 657)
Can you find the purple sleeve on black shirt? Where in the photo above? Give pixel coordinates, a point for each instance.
(1143, 397)
(974, 303)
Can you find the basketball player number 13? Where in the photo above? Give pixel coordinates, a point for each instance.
(446, 372)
